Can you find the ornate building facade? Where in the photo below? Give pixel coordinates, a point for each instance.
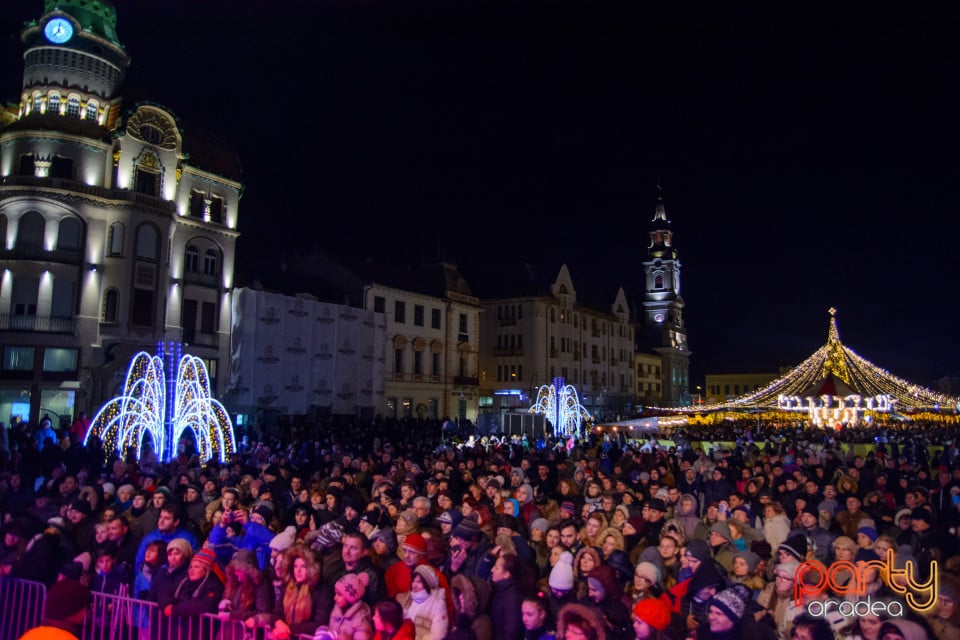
(118, 228)
(529, 340)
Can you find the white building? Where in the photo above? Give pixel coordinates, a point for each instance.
(118, 228)
(292, 354)
(529, 340)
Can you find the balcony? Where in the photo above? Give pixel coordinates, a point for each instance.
(209, 280)
(125, 195)
(37, 324)
(39, 254)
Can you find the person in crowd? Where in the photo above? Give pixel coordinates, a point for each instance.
(351, 618)
(247, 596)
(425, 604)
(389, 623)
(651, 620)
(305, 601)
(64, 614)
(535, 614)
(579, 622)
(471, 597)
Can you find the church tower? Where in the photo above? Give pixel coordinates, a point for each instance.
(664, 331)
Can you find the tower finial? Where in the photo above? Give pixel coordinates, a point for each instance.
(833, 335)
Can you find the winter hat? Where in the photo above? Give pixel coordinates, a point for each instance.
(796, 546)
(64, 599)
(387, 537)
(468, 529)
(787, 569)
(127, 487)
(429, 576)
(844, 541)
(205, 557)
(561, 576)
(653, 611)
(750, 558)
(657, 504)
(407, 521)
(109, 489)
(415, 542)
(182, 545)
(85, 559)
(568, 506)
(919, 513)
(903, 513)
(352, 586)
(699, 549)
(636, 522)
(264, 510)
(762, 549)
(870, 532)
(596, 585)
(245, 558)
(729, 603)
(649, 571)
(284, 540)
(540, 524)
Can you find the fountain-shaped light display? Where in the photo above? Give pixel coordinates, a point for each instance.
(561, 406)
(164, 406)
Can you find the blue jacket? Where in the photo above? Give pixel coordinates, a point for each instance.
(155, 535)
(255, 537)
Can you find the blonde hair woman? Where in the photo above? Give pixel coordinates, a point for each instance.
(304, 602)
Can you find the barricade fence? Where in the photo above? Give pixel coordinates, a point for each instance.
(21, 606)
(115, 617)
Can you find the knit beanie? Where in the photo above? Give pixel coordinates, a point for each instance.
(750, 558)
(596, 585)
(65, 598)
(540, 524)
(561, 576)
(729, 603)
(428, 574)
(284, 540)
(699, 549)
(352, 586)
(182, 545)
(387, 537)
(796, 546)
(654, 612)
(415, 542)
(649, 571)
(468, 529)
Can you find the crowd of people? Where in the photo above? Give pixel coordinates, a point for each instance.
(393, 530)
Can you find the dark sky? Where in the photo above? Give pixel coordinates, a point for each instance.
(807, 151)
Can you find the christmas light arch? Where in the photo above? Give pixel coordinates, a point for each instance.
(164, 405)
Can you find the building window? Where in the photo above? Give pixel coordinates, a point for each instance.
(499, 373)
(658, 281)
(115, 243)
(418, 363)
(73, 107)
(146, 182)
(37, 103)
(192, 260)
(197, 199)
(436, 364)
(211, 262)
(418, 315)
(398, 360)
(435, 319)
(216, 209)
(68, 235)
(400, 311)
(519, 373)
(60, 360)
(92, 111)
(18, 358)
(379, 304)
(147, 242)
(30, 231)
(53, 105)
(463, 323)
(111, 303)
(28, 165)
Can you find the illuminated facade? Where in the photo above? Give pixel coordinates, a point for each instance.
(726, 386)
(664, 332)
(530, 340)
(432, 348)
(649, 379)
(118, 230)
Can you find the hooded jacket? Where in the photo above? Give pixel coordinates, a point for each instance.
(474, 596)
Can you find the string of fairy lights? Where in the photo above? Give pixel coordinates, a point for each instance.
(874, 388)
(560, 403)
(123, 423)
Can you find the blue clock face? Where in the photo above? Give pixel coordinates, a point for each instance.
(58, 30)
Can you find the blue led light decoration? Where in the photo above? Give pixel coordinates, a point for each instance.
(163, 406)
(560, 404)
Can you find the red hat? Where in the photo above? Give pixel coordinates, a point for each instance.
(416, 542)
(654, 612)
(207, 558)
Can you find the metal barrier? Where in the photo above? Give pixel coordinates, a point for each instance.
(21, 606)
(118, 617)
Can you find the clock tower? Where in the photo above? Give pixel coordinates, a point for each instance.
(663, 328)
(73, 63)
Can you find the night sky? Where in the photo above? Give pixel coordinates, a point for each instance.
(807, 151)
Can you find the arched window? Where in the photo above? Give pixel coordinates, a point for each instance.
(658, 281)
(146, 245)
(37, 103)
(30, 230)
(53, 104)
(73, 107)
(92, 111)
(211, 262)
(192, 260)
(111, 303)
(115, 241)
(68, 237)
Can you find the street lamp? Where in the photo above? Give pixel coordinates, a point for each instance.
(699, 399)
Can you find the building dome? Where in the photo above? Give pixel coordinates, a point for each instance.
(96, 16)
